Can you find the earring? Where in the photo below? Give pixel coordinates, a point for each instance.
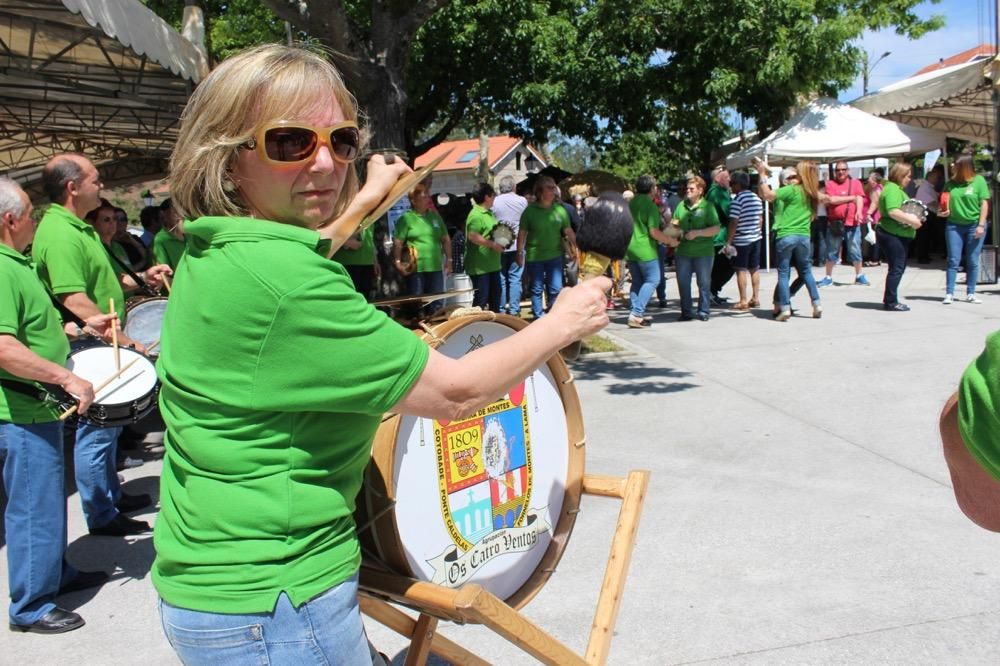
(228, 186)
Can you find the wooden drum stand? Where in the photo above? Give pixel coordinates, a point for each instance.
(472, 604)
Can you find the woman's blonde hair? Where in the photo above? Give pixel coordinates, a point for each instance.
(899, 171)
(248, 90)
(698, 182)
(809, 180)
(963, 170)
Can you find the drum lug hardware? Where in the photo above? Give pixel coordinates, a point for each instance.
(534, 398)
(568, 380)
(580, 444)
(572, 512)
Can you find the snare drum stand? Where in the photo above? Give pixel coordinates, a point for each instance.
(473, 604)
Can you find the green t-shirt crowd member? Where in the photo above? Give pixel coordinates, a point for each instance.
(722, 199)
(700, 216)
(645, 216)
(892, 198)
(70, 258)
(979, 407)
(270, 416)
(26, 313)
(167, 248)
(423, 232)
(361, 256)
(966, 199)
(480, 260)
(543, 229)
(792, 213)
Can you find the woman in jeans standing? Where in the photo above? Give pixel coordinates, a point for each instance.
(698, 222)
(894, 233)
(968, 205)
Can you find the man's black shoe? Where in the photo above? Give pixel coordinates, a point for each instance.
(121, 526)
(56, 621)
(84, 580)
(133, 502)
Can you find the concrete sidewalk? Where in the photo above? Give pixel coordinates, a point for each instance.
(800, 511)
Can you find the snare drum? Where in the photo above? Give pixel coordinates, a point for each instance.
(144, 320)
(125, 400)
(489, 499)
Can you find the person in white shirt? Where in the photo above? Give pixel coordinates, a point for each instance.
(507, 208)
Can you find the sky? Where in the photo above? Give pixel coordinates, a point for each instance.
(963, 30)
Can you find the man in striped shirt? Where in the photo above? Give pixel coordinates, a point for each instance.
(746, 215)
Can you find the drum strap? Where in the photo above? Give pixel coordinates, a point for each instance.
(67, 314)
(143, 287)
(30, 390)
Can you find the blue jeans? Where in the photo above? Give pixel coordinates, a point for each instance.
(646, 271)
(487, 291)
(324, 630)
(701, 268)
(510, 283)
(963, 244)
(35, 520)
(793, 251)
(852, 237)
(546, 276)
(96, 474)
(894, 250)
(426, 282)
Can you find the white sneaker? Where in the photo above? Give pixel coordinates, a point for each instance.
(972, 298)
(947, 299)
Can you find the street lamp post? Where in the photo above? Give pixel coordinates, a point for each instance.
(867, 69)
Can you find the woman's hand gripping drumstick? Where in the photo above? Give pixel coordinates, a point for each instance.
(381, 176)
(97, 389)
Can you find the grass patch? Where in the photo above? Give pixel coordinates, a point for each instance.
(599, 343)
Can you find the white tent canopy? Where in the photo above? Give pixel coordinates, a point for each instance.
(827, 130)
(956, 100)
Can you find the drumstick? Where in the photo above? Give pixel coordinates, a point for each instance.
(100, 387)
(114, 337)
(152, 346)
(166, 282)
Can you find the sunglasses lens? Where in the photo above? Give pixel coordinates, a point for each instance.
(289, 144)
(345, 143)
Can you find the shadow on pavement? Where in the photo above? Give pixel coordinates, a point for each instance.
(864, 305)
(629, 372)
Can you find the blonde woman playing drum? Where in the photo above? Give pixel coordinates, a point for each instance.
(276, 372)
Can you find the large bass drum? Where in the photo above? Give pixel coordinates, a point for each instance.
(489, 499)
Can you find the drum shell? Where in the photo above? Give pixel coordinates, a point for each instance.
(460, 282)
(378, 530)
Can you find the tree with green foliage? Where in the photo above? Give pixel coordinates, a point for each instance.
(593, 69)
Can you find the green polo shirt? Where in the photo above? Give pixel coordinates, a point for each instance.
(965, 199)
(700, 216)
(26, 312)
(892, 198)
(480, 260)
(167, 248)
(645, 216)
(362, 256)
(424, 232)
(979, 407)
(792, 213)
(70, 258)
(118, 251)
(544, 231)
(275, 376)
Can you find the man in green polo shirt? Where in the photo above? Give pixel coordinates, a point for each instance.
(168, 243)
(482, 253)
(33, 348)
(75, 267)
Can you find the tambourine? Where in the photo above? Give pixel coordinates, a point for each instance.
(503, 235)
(915, 207)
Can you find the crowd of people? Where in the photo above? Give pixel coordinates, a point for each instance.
(821, 217)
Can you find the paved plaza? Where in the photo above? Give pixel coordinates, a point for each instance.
(799, 512)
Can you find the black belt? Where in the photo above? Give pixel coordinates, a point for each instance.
(30, 390)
